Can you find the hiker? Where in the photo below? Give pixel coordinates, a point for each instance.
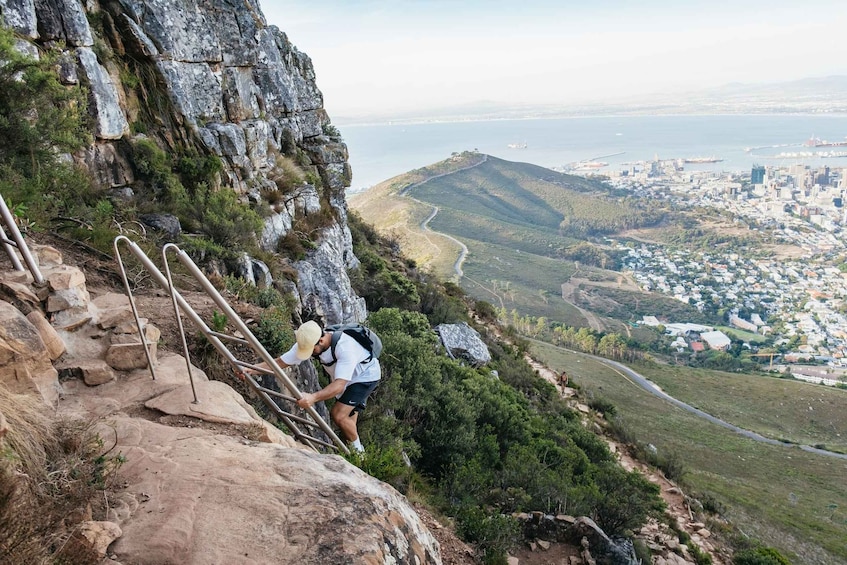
(563, 379)
(355, 374)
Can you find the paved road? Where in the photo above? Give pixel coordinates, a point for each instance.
(648, 385)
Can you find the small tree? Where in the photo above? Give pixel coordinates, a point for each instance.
(38, 115)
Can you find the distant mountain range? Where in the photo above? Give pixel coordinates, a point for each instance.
(821, 95)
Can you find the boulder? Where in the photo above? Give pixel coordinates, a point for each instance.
(95, 372)
(211, 498)
(463, 342)
(25, 365)
(64, 277)
(167, 224)
(128, 356)
(91, 538)
(54, 344)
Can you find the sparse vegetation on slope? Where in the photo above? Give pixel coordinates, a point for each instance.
(777, 494)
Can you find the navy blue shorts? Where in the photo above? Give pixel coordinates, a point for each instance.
(356, 395)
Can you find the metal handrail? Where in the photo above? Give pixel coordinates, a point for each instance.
(172, 292)
(18, 242)
(180, 304)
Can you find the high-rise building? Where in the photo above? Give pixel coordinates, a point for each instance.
(822, 177)
(757, 175)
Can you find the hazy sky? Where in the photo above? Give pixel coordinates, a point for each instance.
(386, 55)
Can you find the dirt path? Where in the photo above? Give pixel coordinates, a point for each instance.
(457, 266)
(568, 291)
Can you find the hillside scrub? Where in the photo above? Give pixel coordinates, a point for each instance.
(488, 441)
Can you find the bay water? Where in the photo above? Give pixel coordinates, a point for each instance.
(381, 151)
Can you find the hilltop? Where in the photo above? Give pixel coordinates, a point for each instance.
(525, 229)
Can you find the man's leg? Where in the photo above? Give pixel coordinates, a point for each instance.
(345, 411)
(346, 422)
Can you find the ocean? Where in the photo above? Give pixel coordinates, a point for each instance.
(379, 152)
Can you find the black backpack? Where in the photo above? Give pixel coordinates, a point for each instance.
(364, 336)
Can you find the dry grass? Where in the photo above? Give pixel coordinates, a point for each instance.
(286, 175)
(49, 473)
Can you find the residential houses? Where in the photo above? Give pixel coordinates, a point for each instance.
(802, 295)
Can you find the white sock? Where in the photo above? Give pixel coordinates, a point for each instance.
(357, 445)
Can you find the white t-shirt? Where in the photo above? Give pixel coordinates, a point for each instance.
(349, 366)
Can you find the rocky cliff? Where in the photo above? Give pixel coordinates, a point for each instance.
(213, 76)
(210, 75)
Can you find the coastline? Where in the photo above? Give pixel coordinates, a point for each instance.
(382, 151)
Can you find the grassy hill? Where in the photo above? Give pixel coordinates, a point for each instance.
(790, 499)
(520, 224)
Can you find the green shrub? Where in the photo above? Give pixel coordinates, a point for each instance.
(129, 80)
(219, 321)
(202, 250)
(624, 500)
(195, 169)
(331, 131)
(603, 405)
(700, 556)
(385, 462)
(138, 126)
(394, 289)
(149, 160)
(274, 331)
(39, 118)
(486, 311)
(38, 115)
(267, 297)
(493, 534)
(673, 466)
(760, 556)
(711, 504)
(222, 217)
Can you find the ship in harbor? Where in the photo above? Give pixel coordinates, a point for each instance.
(818, 142)
(702, 160)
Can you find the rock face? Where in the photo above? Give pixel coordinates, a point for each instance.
(229, 85)
(236, 88)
